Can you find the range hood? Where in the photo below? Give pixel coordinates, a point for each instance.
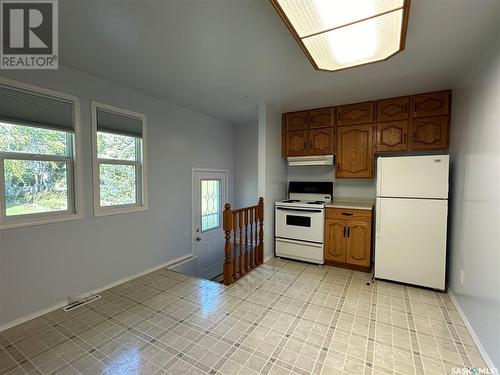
(299, 161)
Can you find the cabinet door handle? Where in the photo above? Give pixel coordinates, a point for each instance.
(414, 137)
(346, 213)
(338, 167)
(404, 138)
(344, 231)
(348, 232)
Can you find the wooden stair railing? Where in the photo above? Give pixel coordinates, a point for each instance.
(246, 250)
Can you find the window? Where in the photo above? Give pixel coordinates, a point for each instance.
(118, 160)
(210, 204)
(37, 155)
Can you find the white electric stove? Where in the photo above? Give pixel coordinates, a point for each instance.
(299, 221)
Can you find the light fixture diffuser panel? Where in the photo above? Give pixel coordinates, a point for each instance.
(339, 34)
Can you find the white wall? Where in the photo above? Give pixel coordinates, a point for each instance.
(272, 169)
(41, 265)
(245, 165)
(475, 200)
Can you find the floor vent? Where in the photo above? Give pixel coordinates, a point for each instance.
(81, 302)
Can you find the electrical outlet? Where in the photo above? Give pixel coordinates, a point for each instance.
(461, 277)
(354, 193)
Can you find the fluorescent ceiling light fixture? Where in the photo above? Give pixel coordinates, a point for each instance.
(340, 34)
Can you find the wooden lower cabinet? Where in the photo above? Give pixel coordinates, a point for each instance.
(359, 241)
(348, 241)
(335, 244)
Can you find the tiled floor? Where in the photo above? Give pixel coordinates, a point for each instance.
(283, 318)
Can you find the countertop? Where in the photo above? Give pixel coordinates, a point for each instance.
(352, 203)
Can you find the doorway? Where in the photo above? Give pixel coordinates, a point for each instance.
(209, 197)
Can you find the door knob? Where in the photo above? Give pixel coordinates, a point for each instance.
(198, 239)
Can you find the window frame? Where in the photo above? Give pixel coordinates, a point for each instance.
(74, 171)
(140, 164)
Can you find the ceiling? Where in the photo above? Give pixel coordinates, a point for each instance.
(224, 57)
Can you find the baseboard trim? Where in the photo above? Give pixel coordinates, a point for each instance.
(268, 258)
(478, 343)
(170, 264)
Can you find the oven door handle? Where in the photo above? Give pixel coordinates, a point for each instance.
(297, 209)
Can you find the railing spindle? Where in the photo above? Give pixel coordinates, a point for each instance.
(245, 214)
(256, 238)
(235, 248)
(228, 266)
(240, 224)
(261, 230)
(252, 264)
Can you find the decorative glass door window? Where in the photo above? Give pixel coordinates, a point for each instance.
(210, 204)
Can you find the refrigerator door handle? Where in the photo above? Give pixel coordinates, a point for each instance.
(378, 223)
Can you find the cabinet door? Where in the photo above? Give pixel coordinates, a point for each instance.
(321, 141)
(392, 136)
(359, 243)
(296, 143)
(355, 151)
(433, 104)
(335, 240)
(393, 109)
(354, 114)
(321, 118)
(296, 120)
(429, 133)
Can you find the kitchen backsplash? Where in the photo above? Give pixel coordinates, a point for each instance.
(361, 188)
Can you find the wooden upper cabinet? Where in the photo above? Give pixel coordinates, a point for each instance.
(322, 118)
(296, 143)
(393, 109)
(321, 141)
(392, 136)
(355, 151)
(335, 240)
(433, 104)
(355, 114)
(296, 120)
(359, 243)
(429, 133)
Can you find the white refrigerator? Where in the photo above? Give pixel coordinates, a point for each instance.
(411, 219)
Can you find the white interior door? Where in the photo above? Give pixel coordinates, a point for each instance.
(209, 197)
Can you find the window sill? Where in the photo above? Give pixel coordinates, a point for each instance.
(99, 212)
(46, 220)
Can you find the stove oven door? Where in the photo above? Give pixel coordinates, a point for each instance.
(300, 224)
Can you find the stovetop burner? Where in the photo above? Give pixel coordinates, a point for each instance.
(291, 201)
(316, 202)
